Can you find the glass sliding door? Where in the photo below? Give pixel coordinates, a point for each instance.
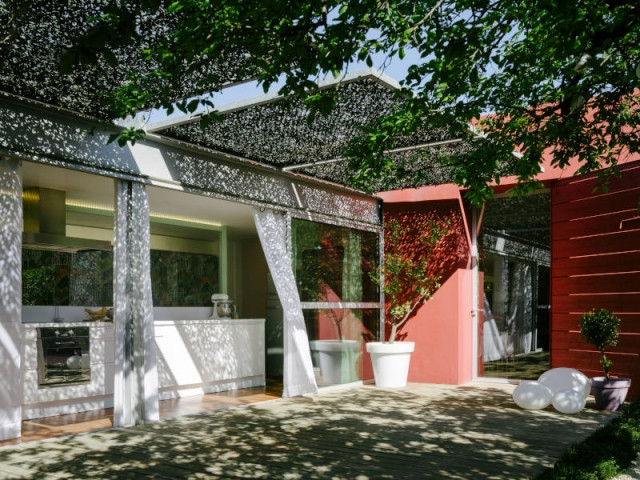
(514, 245)
(332, 265)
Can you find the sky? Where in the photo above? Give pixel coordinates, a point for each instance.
(396, 69)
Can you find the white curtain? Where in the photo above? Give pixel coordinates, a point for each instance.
(509, 327)
(520, 306)
(136, 375)
(494, 348)
(10, 297)
(297, 369)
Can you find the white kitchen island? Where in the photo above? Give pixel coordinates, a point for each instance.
(194, 357)
(206, 356)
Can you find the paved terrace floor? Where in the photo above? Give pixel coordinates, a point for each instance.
(421, 431)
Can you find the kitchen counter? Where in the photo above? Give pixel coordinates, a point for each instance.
(98, 393)
(88, 323)
(212, 355)
(194, 357)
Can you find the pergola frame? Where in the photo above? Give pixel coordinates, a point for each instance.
(263, 152)
(269, 129)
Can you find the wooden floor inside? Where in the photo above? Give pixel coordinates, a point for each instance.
(83, 422)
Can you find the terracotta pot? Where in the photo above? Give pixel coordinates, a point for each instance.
(610, 394)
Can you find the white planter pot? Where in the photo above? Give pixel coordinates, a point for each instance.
(336, 359)
(390, 362)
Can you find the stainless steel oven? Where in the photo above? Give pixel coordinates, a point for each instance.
(63, 356)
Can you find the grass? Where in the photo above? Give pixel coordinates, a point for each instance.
(608, 452)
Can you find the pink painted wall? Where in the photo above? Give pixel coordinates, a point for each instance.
(442, 328)
(443, 335)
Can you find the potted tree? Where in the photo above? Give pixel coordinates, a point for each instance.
(601, 328)
(407, 282)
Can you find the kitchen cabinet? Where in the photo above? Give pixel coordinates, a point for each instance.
(98, 393)
(205, 356)
(194, 357)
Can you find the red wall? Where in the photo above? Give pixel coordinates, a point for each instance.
(596, 264)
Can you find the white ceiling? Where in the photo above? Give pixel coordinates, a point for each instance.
(95, 190)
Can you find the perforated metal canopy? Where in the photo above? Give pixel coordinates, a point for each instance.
(275, 132)
(267, 130)
(34, 36)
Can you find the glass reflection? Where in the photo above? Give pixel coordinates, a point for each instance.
(337, 353)
(515, 246)
(332, 263)
(86, 278)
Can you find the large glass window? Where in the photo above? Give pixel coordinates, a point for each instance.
(333, 267)
(333, 263)
(183, 279)
(86, 278)
(64, 278)
(515, 266)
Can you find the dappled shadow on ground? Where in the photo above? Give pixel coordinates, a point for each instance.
(423, 431)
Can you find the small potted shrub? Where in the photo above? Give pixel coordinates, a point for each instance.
(407, 282)
(601, 328)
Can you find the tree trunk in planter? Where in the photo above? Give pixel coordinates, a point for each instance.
(390, 362)
(610, 393)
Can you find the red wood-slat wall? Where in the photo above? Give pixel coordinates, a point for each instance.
(595, 251)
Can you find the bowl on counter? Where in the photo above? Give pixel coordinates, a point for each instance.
(102, 315)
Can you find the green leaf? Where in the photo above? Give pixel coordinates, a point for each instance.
(193, 105)
(504, 58)
(175, 7)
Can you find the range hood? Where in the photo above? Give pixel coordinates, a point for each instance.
(44, 226)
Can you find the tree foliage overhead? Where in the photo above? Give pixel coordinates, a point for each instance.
(530, 75)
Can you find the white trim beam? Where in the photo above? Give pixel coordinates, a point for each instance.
(40, 133)
(298, 166)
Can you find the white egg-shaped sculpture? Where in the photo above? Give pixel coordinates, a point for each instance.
(562, 378)
(569, 401)
(532, 395)
(74, 362)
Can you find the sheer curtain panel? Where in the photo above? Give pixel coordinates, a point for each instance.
(298, 369)
(10, 297)
(136, 376)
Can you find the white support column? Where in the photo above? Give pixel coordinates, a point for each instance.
(136, 376)
(10, 298)
(475, 294)
(224, 261)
